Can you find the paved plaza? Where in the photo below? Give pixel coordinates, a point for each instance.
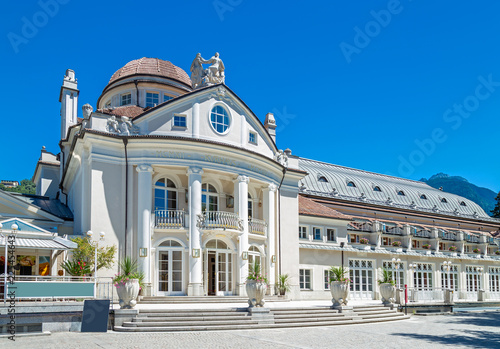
(461, 330)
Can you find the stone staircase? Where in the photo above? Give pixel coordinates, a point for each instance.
(161, 320)
(204, 299)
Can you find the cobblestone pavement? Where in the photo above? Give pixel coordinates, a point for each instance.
(465, 330)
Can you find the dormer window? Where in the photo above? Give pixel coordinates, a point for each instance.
(126, 99)
(377, 188)
(322, 179)
(463, 203)
(180, 121)
(444, 200)
(152, 99)
(423, 197)
(402, 193)
(351, 184)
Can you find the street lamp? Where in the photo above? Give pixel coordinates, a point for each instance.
(447, 268)
(395, 265)
(101, 238)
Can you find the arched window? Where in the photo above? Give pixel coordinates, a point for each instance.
(219, 119)
(377, 188)
(402, 193)
(209, 198)
(250, 206)
(322, 179)
(216, 244)
(170, 243)
(165, 195)
(351, 184)
(444, 200)
(254, 257)
(423, 197)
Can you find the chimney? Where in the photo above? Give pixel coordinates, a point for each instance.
(270, 125)
(68, 96)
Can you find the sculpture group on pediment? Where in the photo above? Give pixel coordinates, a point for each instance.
(213, 75)
(123, 128)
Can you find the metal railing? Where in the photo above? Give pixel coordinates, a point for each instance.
(219, 220)
(170, 219)
(392, 230)
(471, 238)
(422, 233)
(257, 226)
(447, 235)
(358, 226)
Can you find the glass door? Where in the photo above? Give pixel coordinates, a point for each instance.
(361, 275)
(170, 272)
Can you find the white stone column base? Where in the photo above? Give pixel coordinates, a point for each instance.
(195, 290)
(242, 290)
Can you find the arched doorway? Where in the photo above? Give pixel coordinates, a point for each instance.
(218, 268)
(170, 264)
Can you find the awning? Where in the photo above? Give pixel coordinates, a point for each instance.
(56, 243)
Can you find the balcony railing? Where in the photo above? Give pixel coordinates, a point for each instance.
(472, 238)
(422, 233)
(358, 226)
(493, 241)
(219, 220)
(447, 235)
(170, 219)
(257, 226)
(387, 229)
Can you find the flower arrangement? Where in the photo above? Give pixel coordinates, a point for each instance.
(497, 252)
(452, 248)
(128, 272)
(339, 274)
(426, 246)
(256, 274)
(396, 243)
(363, 241)
(476, 250)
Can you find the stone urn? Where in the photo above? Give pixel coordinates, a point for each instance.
(127, 293)
(387, 292)
(340, 292)
(256, 292)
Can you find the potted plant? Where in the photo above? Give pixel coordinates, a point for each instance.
(339, 286)
(128, 283)
(426, 246)
(452, 248)
(476, 250)
(497, 252)
(76, 268)
(256, 286)
(363, 241)
(396, 243)
(283, 284)
(386, 284)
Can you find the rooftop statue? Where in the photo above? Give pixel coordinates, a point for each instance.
(205, 77)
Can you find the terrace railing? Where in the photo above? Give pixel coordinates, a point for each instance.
(170, 219)
(257, 226)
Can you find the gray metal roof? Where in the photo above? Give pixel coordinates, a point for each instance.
(55, 243)
(338, 177)
(52, 206)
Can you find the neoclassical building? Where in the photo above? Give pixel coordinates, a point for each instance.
(180, 174)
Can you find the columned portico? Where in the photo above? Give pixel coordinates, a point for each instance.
(269, 206)
(195, 287)
(241, 207)
(144, 182)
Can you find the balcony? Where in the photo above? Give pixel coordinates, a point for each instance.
(392, 230)
(257, 226)
(170, 219)
(219, 220)
(447, 235)
(493, 241)
(359, 226)
(421, 233)
(472, 238)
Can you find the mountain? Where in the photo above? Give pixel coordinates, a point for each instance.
(484, 197)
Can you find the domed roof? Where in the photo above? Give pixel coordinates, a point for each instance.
(151, 66)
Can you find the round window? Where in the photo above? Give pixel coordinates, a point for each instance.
(219, 119)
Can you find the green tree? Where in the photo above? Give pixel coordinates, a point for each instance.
(496, 211)
(25, 187)
(85, 252)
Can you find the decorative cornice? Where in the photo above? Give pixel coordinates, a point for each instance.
(144, 168)
(194, 170)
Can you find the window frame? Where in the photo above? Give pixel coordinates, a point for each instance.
(302, 279)
(306, 237)
(254, 134)
(179, 126)
(229, 118)
(152, 93)
(123, 95)
(314, 229)
(330, 230)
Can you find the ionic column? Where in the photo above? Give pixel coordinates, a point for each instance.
(241, 207)
(269, 215)
(195, 287)
(144, 202)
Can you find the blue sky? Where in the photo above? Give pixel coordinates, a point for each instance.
(407, 88)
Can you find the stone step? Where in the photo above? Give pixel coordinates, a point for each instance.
(313, 319)
(305, 312)
(192, 313)
(190, 323)
(293, 315)
(253, 326)
(379, 316)
(187, 318)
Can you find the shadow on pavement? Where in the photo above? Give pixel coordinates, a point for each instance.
(473, 339)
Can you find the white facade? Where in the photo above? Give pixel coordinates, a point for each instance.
(195, 189)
